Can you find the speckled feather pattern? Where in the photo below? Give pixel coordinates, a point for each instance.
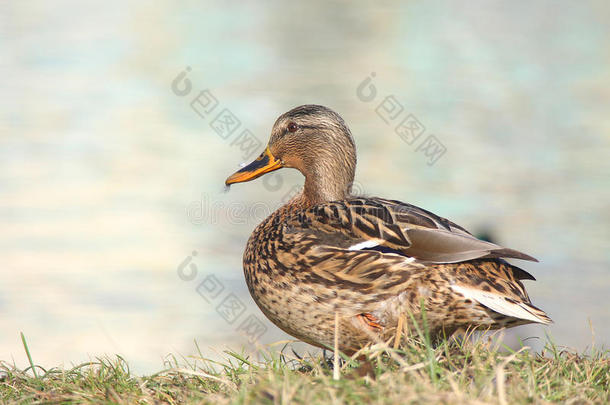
(372, 261)
(300, 272)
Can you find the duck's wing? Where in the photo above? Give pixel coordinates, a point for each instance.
(370, 249)
(389, 226)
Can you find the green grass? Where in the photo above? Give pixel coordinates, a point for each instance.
(471, 371)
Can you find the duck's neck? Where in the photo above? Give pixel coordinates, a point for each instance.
(328, 182)
(317, 191)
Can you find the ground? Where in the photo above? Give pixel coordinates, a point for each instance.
(473, 371)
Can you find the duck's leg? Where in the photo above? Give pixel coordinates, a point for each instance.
(370, 320)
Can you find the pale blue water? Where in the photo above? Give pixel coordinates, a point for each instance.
(109, 180)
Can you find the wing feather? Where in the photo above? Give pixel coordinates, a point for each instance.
(400, 227)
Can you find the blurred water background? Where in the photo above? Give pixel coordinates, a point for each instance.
(109, 180)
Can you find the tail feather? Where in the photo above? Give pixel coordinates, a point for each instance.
(504, 305)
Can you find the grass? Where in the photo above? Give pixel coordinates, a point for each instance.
(474, 371)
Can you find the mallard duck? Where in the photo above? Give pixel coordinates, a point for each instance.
(369, 261)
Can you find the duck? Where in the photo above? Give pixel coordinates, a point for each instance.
(369, 269)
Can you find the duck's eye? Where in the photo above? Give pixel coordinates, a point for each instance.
(292, 127)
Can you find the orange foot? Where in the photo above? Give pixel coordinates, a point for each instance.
(369, 320)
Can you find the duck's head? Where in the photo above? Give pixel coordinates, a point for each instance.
(314, 140)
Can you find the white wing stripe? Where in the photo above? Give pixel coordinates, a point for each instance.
(364, 245)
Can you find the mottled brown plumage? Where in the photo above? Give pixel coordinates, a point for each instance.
(370, 260)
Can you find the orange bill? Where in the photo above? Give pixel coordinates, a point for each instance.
(265, 163)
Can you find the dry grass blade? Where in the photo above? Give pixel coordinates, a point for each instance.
(469, 371)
